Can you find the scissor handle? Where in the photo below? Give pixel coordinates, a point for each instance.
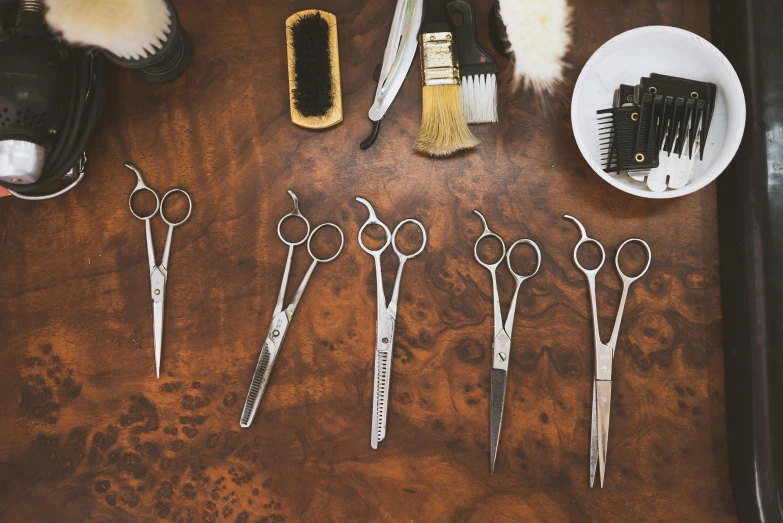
(484, 235)
(293, 214)
(401, 254)
(630, 279)
(163, 212)
(141, 186)
(586, 239)
(522, 277)
(373, 220)
(339, 250)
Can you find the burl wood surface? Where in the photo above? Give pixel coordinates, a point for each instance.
(88, 433)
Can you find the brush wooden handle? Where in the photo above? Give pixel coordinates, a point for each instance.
(335, 113)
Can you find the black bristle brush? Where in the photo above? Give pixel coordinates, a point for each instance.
(314, 69)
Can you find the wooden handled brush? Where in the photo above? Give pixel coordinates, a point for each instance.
(314, 69)
(444, 129)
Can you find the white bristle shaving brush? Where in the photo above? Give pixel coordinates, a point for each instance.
(536, 34)
(139, 34)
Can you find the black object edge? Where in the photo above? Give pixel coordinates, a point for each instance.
(750, 215)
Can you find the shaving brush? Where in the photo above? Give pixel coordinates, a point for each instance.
(144, 35)
(536, 35)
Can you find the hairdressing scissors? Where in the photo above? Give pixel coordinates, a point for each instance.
(158, 273)
(387, 316)
(281, 317)
(604, 352)
(501, 346)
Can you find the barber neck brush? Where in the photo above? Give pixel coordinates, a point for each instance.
(478, 88)
(144, 35)
(444, 129)
(536, 34)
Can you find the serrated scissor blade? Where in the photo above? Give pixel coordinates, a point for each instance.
(257, 386)
(380, 397)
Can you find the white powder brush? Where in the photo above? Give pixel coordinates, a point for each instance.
(139, 34)
(537, 35)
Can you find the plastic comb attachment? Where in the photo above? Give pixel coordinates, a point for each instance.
(625, 95)
(688, 106)
(646, 136)
(618, 137)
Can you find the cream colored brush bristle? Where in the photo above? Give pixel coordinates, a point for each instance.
(131, 29)
(444, 129)
(539, 36)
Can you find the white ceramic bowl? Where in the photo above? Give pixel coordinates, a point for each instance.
(664, 50)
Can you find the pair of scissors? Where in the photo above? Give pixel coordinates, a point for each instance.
(604, 352)
(281, 317)
(387, 317)
(158, 273)
(501, 346)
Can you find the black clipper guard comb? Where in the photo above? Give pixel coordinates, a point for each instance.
(684, 109)
(627, 140)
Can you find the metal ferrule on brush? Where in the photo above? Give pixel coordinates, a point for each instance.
(439, 64)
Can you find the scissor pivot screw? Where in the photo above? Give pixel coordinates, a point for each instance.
(385, 340)
(157, 292)
(275, 333)
(502, 356)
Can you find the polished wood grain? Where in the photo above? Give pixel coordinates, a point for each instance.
(88, 434)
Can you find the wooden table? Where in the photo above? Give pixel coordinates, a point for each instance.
(88, 433)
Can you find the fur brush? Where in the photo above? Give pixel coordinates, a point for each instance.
(537, 35)
(131, 29)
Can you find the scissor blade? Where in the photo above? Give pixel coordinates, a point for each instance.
(498, 397)
(380, 399)
(593, 441)
(257, 386)
(603, 391)
(158, 293)
(264, 366)
(157, 311)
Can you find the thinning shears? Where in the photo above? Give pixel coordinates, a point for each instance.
(501, 345)
(604, 352)
(387, 317)
(158, 273)
(281, 317)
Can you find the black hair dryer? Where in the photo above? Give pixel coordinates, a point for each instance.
(50, 99)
